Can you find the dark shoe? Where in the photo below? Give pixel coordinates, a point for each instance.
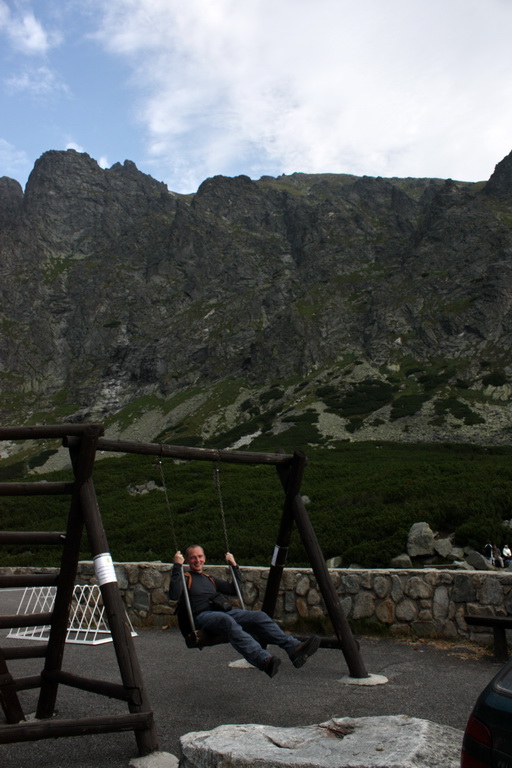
(303, 651)
(271, 666)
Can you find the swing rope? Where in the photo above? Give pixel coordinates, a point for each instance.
(168, 504)
(216, 477)
(188, 605)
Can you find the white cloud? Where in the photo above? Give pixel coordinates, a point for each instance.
(4, 14)
(39, 82)
(75, 146)
(401, 87)
(25, 32)
(27, 35)
(13, 161)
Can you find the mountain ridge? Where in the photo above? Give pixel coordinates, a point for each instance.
(359, 307)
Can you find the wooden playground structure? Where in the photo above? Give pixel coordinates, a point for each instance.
(83, 441)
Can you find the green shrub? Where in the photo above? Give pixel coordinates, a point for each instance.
(192, 441)
(435, 378)
(40, 459)
(458, 409)
(476, 531)
(360, 400)
(272, 394)
(376, 554)
(15, 471)
(354, 424)
(365, 397)
(406, 405)
(494, 379)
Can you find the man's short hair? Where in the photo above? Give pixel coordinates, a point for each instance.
(192, 546)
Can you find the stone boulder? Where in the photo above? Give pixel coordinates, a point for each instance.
(401, 561)
(421, 540)
(443, 547)
(479, 562)
(342, 742)
(458, 553)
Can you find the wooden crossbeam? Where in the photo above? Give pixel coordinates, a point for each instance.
(35, 489)
(32, 651)
(25, 620)
(105, 688)
(32, 537)
(52, 729)
(48, 431)
(21, 580)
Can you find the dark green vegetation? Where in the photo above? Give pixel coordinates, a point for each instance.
(363, 499)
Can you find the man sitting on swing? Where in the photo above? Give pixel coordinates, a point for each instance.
(213, 613)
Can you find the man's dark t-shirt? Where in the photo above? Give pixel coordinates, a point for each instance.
(202, 588)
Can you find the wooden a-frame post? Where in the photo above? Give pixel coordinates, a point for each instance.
(82, 441)
(294, 511)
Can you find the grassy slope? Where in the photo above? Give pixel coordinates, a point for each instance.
(363, 499)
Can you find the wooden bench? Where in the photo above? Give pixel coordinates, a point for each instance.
(498, 624)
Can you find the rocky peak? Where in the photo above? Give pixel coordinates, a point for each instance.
(237, 201)
(70, 201)
(11, 202)
(500, 183)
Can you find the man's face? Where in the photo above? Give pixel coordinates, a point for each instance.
(196, 559)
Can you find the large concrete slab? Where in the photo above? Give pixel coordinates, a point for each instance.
(397, 741)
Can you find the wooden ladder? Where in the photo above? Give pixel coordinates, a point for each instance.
(81, 441)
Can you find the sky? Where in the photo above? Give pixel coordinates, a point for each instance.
(188, 89)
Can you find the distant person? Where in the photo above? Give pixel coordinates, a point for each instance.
(488, 552)
(213, 613)
(507, 555)
(496, 557)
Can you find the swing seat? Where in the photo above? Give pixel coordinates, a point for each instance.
(201, 639)
(196, 638)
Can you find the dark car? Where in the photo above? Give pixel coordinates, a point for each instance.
(488, 736)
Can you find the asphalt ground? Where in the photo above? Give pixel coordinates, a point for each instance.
(192, 690)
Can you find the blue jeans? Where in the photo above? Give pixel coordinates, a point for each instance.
(246, 631)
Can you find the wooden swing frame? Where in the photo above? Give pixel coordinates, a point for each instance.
(290, 470)
(83, 441)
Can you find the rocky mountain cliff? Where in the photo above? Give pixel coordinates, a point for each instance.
(363, 308)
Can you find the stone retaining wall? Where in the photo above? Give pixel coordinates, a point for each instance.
(423, 603)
